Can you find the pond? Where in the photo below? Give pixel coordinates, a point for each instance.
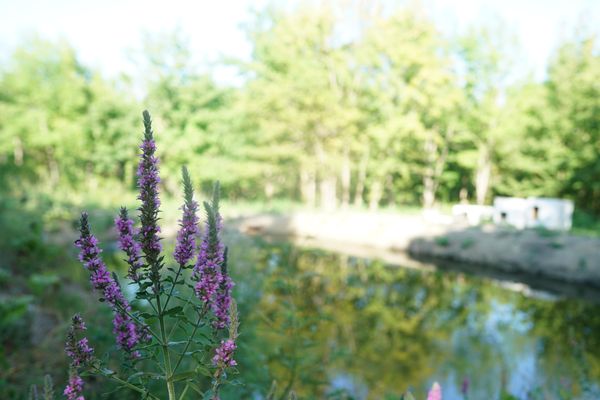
(329, 325)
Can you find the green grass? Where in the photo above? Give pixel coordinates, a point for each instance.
(64, 205)
(585, 224)
(442, 241)
(467, 243)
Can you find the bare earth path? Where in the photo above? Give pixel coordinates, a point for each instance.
(554, 255)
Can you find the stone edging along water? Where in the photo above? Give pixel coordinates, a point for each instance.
(553, 255)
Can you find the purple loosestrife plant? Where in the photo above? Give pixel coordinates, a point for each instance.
(181, 327)
(213, 286)
(223, 357)
(127, 332)
(79, 351)
(188, 230)
(74, 388)
(129, 244)
(148, 181)
(81, 355)
(435, 393)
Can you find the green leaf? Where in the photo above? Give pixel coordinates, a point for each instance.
(183, 375)
(152, 375)
(106, 371)
(173, 311)
(177, 343)
(202, 370)
(196, 388)
(407, 396)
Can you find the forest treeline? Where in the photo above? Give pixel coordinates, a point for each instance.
(377, 110)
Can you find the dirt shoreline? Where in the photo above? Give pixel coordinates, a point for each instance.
(554, 255)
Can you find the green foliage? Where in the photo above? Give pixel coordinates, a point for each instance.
(442, 241)
(394, 113)
(574, 102)
(62, 123)
(47, 393)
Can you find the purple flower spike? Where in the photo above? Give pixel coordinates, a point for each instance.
(127, 334)
(223, 297)
(224, 354)
(129, 244)
(211, 257)
(77, 323)
(186, 237)
(464, 389)
(74, 389)
(214, 284)
(81, 354)
(148, 181)
(79, 351)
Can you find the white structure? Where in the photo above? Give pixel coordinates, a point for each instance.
(533, 212)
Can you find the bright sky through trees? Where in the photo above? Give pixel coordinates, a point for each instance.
(104, 33)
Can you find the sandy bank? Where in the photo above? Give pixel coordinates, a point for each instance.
(551, 255)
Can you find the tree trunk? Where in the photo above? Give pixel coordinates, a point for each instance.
(53, 168)
(327, 180)
(429, 174)
(346, 179)
(483, 173)
(428, 192)
(18, 151)
(327, 190)
(434, 167)
(308, 186)
(463, 195)
(269, 190)
(361, 178)
(375, 194)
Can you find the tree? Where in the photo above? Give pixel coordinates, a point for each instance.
(298, 86)
(574, 101)
(201, 122)
(62, 123)
(484, 59)
(413, 97)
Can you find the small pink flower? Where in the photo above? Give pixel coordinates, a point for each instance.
(435, 393)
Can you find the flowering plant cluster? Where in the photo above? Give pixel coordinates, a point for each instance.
(146, 327)
(435, 393)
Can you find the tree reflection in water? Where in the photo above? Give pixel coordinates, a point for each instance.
(331, 326)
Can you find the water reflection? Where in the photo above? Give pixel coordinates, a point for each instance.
(332, 326)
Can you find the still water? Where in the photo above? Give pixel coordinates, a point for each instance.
(328, 325)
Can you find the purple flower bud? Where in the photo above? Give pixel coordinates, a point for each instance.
(74, 389)
(224, 354)
(148, 181)
(207, 270)
(79, 351)
(222, 301)
(213, 285)
(129, 244)
(77, 323)
(186, 237)
(465, 386)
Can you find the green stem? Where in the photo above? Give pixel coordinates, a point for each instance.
(176, 324)
(216, 384)
(173, 286)
(200, 315)
(165, 349)
(185, 389)
(127, 384)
